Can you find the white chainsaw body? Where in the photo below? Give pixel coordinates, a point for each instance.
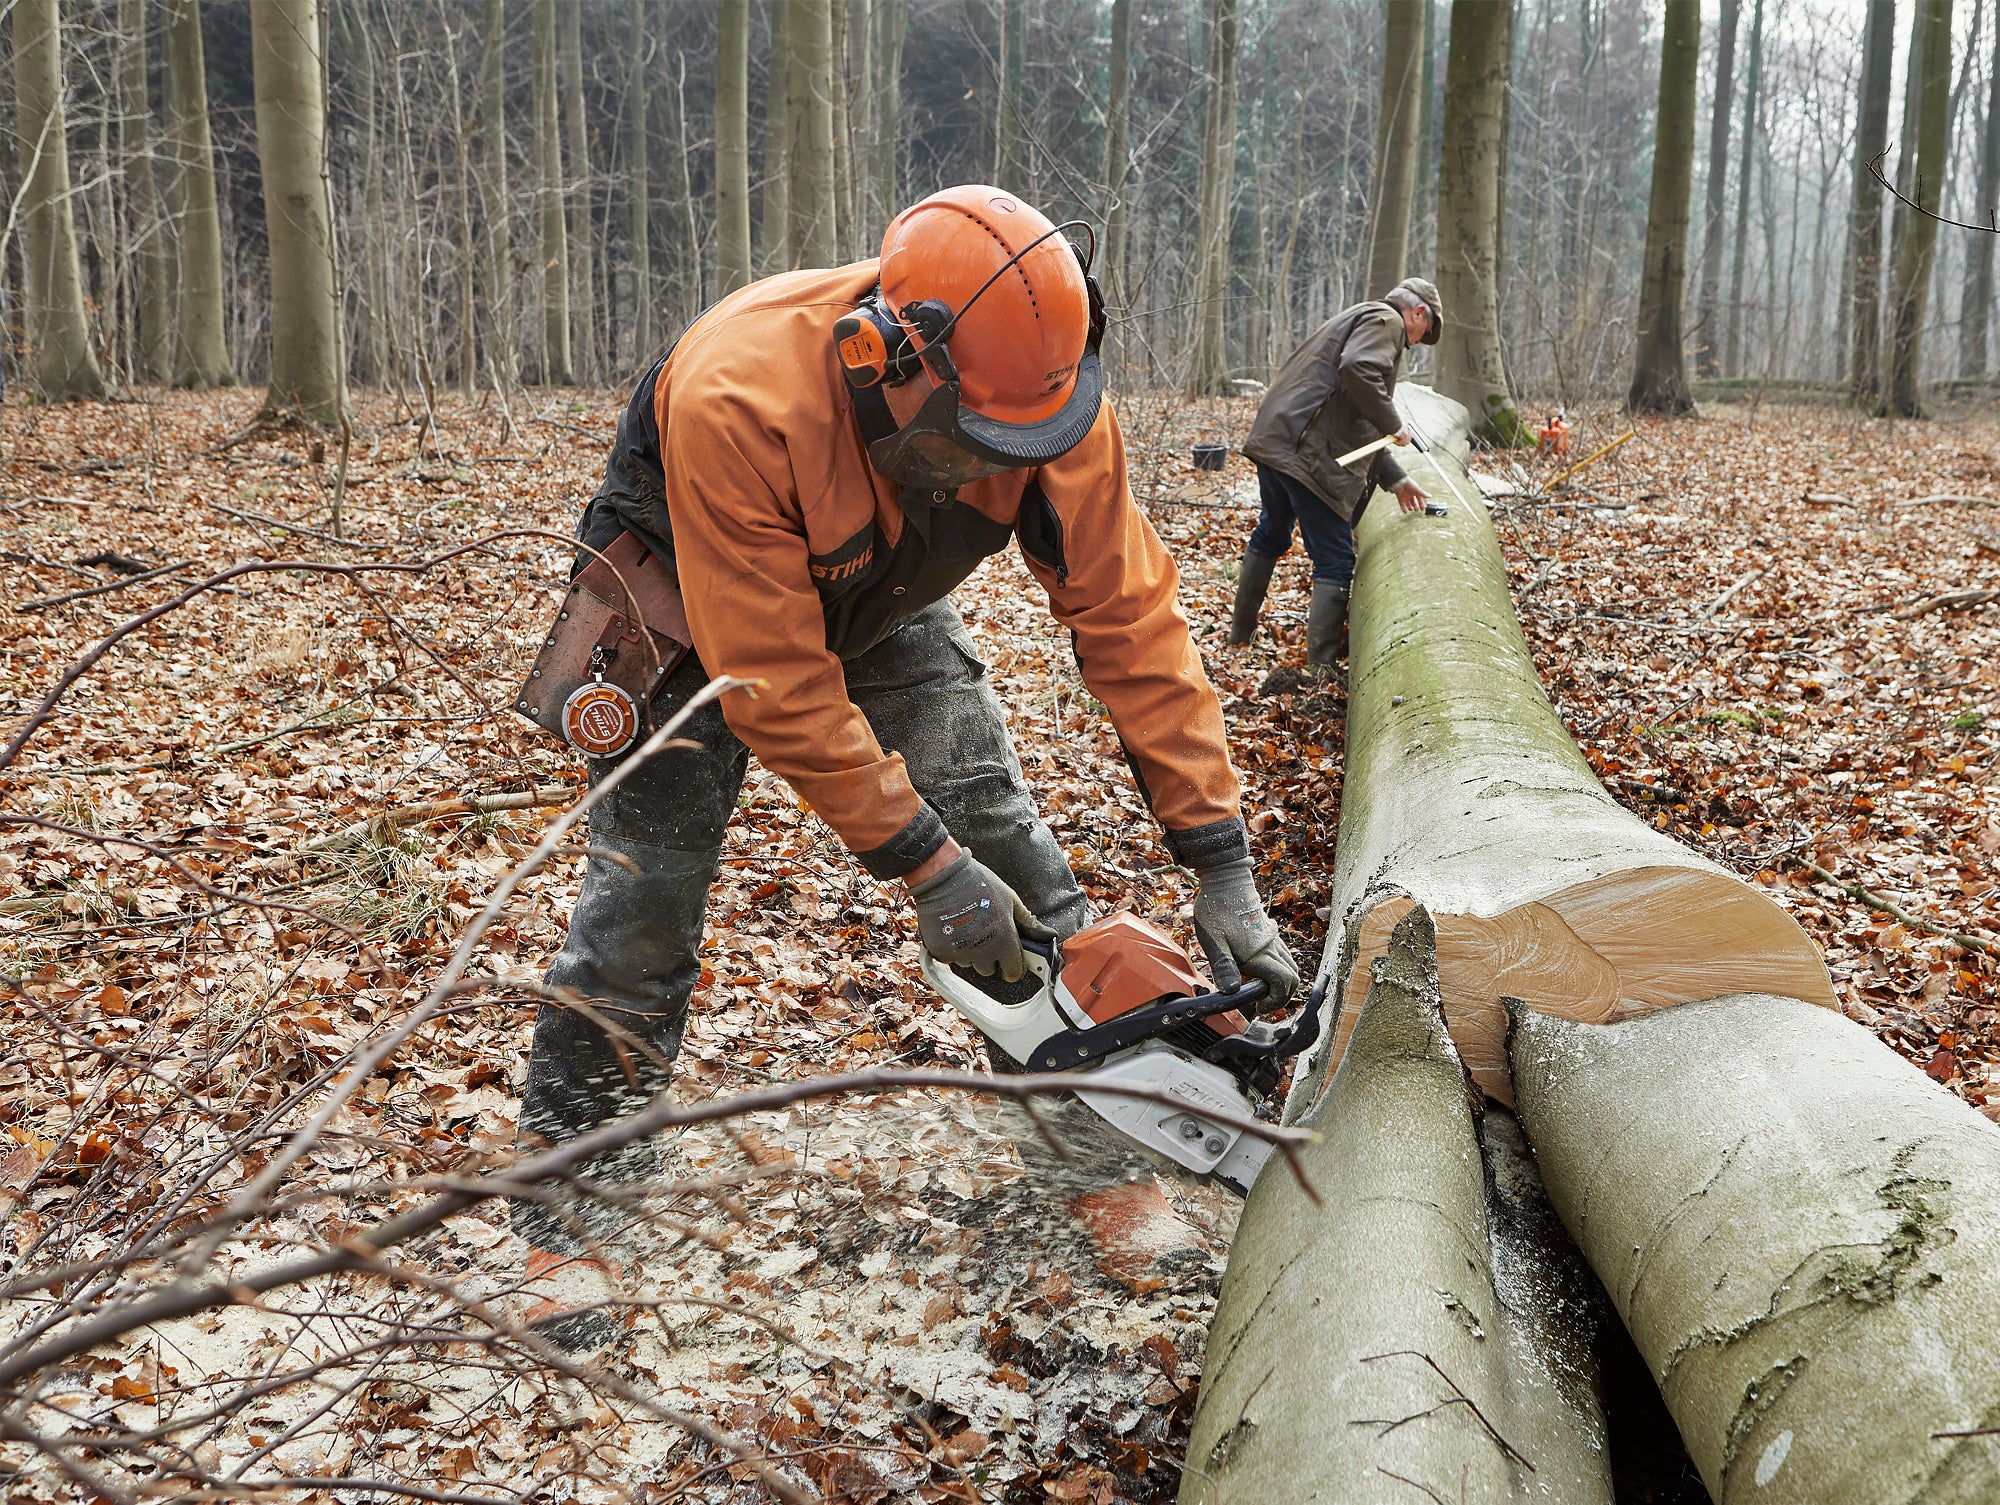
(1180, 1129)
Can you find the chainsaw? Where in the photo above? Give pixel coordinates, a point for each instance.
(1120, 998)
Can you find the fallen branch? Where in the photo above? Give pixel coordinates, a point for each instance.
(1723, 600)
(1590, 459)
(300, 528)
(43, 603)
(1827, 499)
(1948, 601)
(1889, 907)
(349, 837)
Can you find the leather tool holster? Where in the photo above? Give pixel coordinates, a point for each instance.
(620, 631)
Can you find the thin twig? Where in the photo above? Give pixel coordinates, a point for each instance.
(43, 603)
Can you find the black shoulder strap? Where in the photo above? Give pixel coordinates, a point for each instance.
(871, 412)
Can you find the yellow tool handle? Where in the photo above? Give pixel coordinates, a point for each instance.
(1367, 449)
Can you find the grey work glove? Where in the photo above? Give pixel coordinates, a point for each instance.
(969, 918)
(1238, 937)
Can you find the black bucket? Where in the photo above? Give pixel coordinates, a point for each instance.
(1210, 456)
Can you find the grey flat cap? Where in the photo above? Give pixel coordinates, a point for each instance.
(1426, 290)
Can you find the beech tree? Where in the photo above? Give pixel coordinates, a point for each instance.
(638, 226)
(1659, 378)
(201, 358)
(1745, 183)
(774, 214)
(501, 361)
(65, 362)
(1930, 29)
(1218, 184)
(1865, 239)
(557, 366)
(814, 235)
(1010, 152)
(732, 146)
(1395, 146)
(291, 137)
(145, 228)
(1117, 155)
(1470, 367)
(1715, 194)
(584, 304)
(1976, 305)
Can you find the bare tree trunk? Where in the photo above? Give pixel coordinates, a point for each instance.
(145, 230)
(732, 145)
(774, 252)
(1906, 137)
(1117, 153)
(843, 158)
(502, 357)
(1010, 151)
(688, 230)
(557, 369)
(468, 255)
(1716, 192)
(815, 229)
(65, 365)
(1745, 187)
(373, 236)
(577, 190)
(638, 176)
(1395, 145)
(1976, 306)
(1210, 367)
(201, 358)
(1864, 372)
(864, 234)
(1424, 253)
(291, 136)
(1469, 364)
(1659, 377)
(892, 18)
(1914, 252)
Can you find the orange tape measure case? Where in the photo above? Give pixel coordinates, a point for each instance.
(621, 630)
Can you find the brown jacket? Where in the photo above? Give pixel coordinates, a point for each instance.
(793, 554)
(1335, 394)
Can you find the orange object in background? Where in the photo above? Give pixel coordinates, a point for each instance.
(1555, 435)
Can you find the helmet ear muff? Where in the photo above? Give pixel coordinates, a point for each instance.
(873, 347)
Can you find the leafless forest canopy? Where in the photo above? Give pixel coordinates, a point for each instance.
(441, 162)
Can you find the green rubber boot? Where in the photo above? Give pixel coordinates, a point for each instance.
(1253, 579)
(1326, 625)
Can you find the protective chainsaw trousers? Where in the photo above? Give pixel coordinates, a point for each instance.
(633, 951)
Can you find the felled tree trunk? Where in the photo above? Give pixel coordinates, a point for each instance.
(1381, 1343)
(1464, 793)
(1802, 1234)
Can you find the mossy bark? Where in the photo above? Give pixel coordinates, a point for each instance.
(1409, 1331)
(1800, 1231)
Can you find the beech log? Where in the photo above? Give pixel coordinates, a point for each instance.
(1801, 1232)
(1464, 793)
(1424, 1329)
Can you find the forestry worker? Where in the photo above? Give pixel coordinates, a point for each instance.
(823, 456)
(1335, 394)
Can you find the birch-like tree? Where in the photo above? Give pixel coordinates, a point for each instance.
(65, 362)
(1659, 375)
(1395, 146)
(557, 366)
(1210, 367)
(1930, 29)
(1470, 367)
(1715, 194)
(732, 145)
(306, 358)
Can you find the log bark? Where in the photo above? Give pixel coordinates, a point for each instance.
(1917, 245)
(1864, 362)
(1395, 146)
(1659, 376)
(65, 361)
(1470, 368)
(1464, 793)
(1416, 1329)
(732, 146)
(291, 134)
(1800, 1232)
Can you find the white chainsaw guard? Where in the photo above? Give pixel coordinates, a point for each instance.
(1016, 1028)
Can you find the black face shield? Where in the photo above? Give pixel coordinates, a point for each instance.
(948, 445)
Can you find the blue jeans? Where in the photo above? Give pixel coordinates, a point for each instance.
(1329, 537)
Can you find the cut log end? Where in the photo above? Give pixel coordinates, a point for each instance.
(1610, 949)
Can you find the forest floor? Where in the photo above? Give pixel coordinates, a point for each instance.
(904, 1295)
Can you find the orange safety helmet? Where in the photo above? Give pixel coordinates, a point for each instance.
(989, 296)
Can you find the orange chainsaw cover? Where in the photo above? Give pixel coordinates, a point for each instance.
(1124, 963)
